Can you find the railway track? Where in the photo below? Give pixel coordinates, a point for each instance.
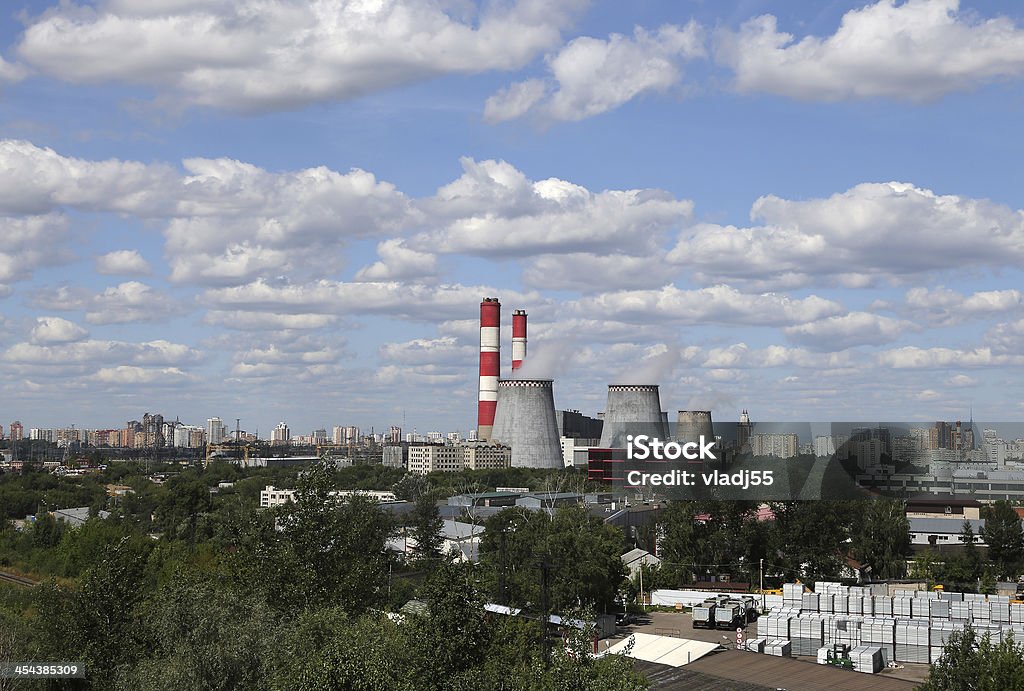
(19, 580)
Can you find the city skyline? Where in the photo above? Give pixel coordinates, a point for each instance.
(721, 199)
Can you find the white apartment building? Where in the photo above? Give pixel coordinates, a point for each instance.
(281, 435)
(438, 458)
(272, 496)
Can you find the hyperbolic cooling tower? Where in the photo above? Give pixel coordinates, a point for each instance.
(632, 409)
(693, 424)
(525, 420)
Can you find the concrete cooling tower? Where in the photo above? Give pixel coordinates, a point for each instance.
(525, 420)
(692, 424)
(632, 409)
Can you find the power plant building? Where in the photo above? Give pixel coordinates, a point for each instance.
(632, 409)
(691, 425)
(525, 420)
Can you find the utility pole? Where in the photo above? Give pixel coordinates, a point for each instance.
(762, 585)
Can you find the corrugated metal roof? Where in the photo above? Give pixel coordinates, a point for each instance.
(950, 526)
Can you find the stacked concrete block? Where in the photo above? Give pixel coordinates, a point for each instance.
(778, 648)
(773, 627)
(866, 659)
(920, 607)
(883, 605)
(806, 634)
(939, 609)
(912, 644)
(901, 606)
(961, 611)
(847, 630)
(792, 594)
(881, 632)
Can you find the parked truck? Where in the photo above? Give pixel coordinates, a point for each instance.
(704, 615)
(730, 615)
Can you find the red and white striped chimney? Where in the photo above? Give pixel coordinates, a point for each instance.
(518, 338)
(490, 366)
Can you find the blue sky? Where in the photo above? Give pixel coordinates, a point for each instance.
(282, 210)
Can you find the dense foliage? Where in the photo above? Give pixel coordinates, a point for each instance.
(187, 585)
(973, 663)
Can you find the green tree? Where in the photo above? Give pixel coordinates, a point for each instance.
(688, 550)
(318, 550)
(1002, 533)
(582, 553)
(972, 664)
(201, 635)
(96, 619)
(181, 506)
(426, 524)
(810, 538)
(881, 537)
(965, 567)
(927, 566)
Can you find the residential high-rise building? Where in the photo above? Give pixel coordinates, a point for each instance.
(17, 431)
(394, 435)
(281, 435)
(216, 430)
(153, 428)
(778, 445)
(824, 446)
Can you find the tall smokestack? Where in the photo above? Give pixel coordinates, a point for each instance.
(490, 366)
(518, 338)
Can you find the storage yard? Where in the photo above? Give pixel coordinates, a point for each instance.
(909, 627)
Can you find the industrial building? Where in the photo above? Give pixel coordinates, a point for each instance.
(632, 409)
(525, 420)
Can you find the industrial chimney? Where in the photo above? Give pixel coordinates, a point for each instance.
(518, 338)
(490, 366)
(632, 409)
(525, 420)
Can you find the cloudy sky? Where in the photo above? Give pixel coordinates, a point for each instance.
(290, 209)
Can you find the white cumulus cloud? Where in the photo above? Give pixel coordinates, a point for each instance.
(260, 55)
(122, 262)
(56, 330)
(916, 50)
(590, 76)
